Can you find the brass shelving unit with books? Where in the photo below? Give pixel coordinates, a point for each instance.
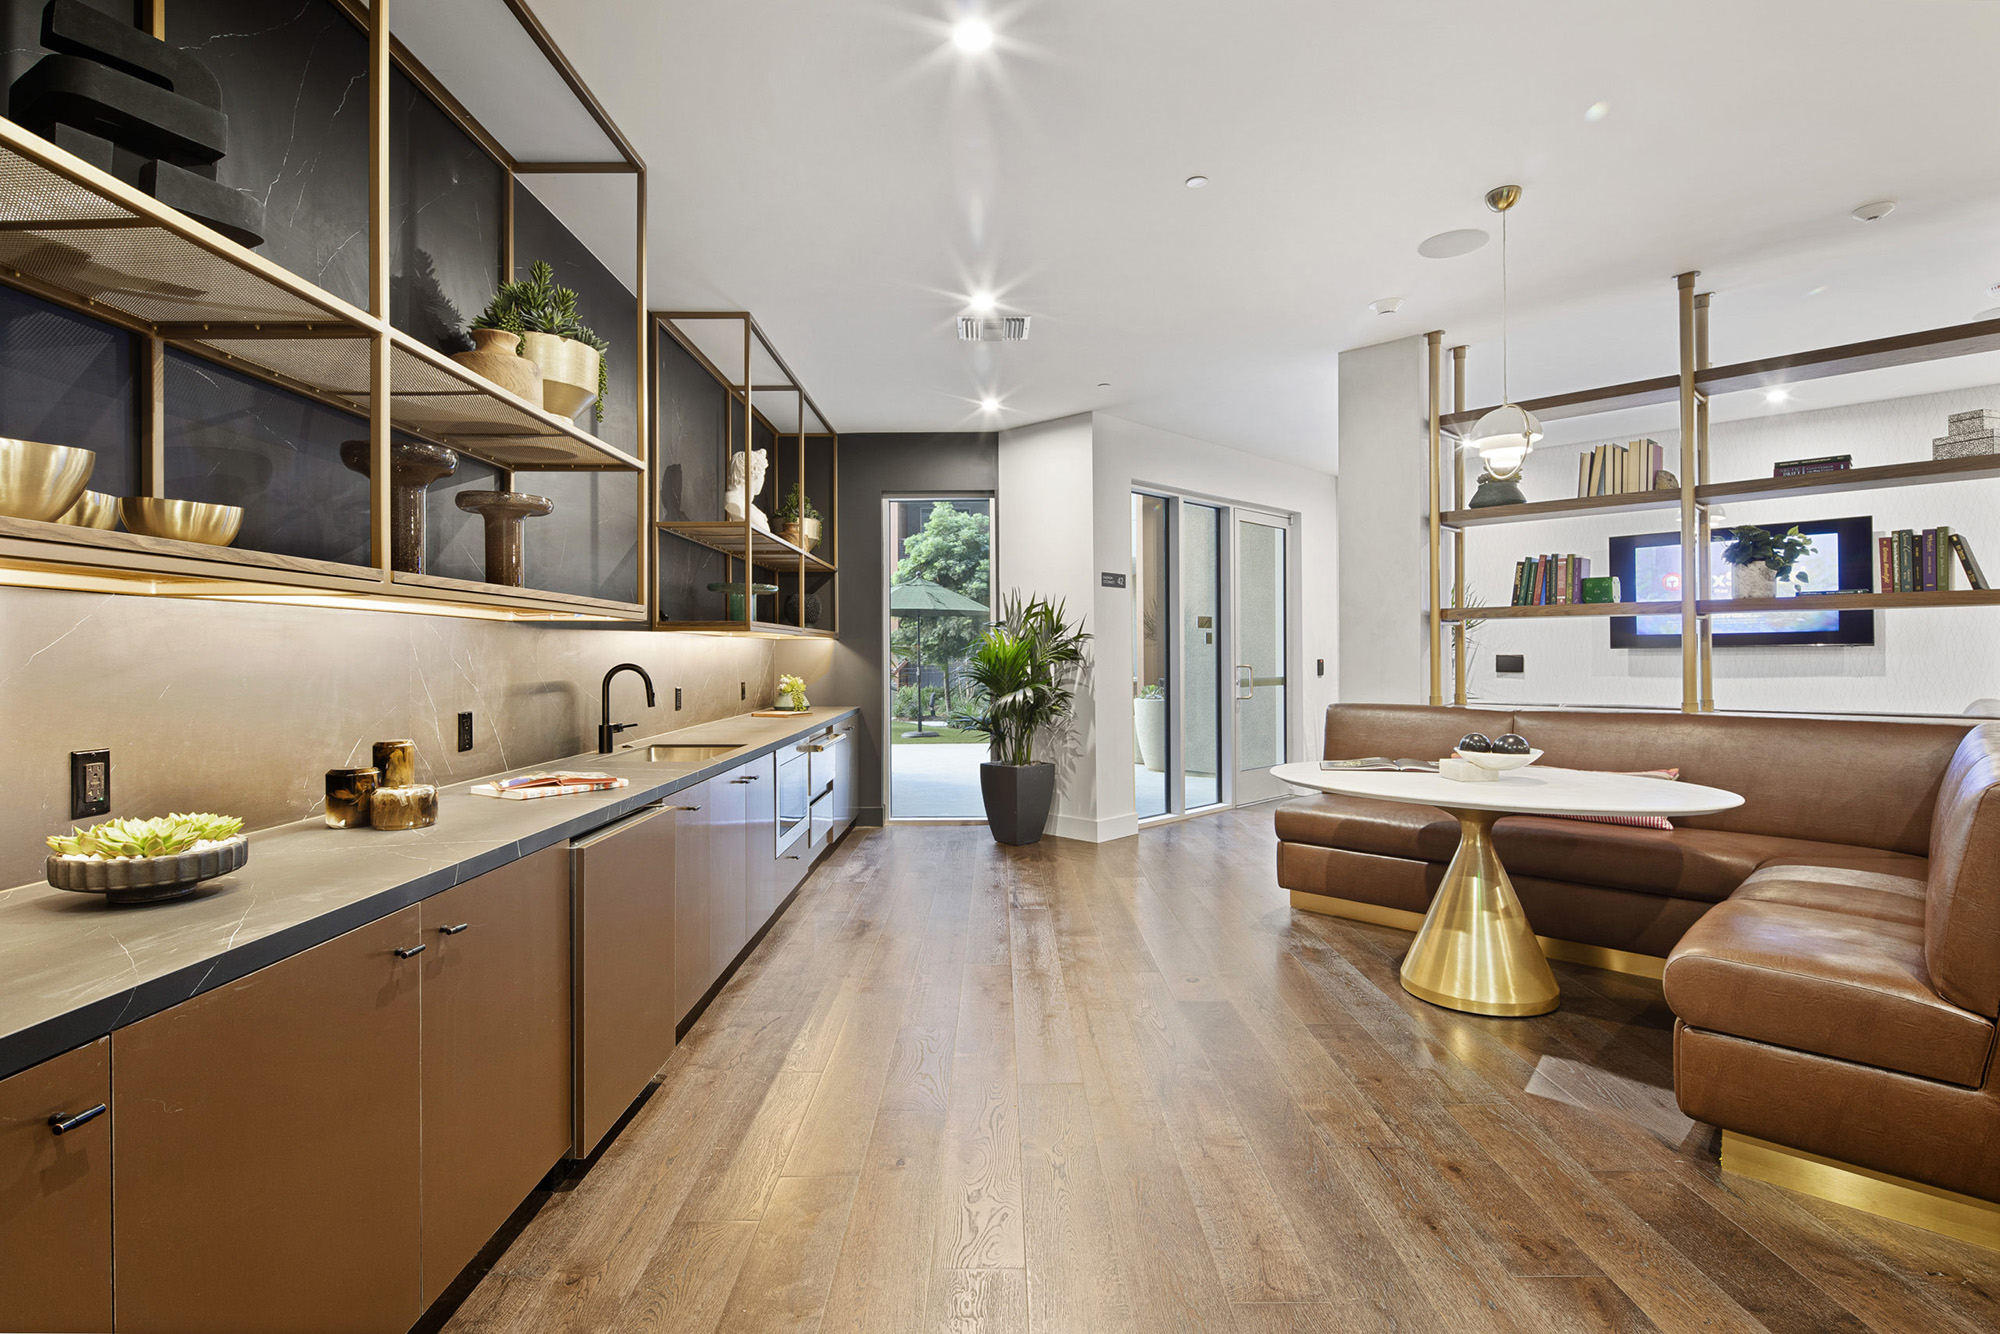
(1694, 386)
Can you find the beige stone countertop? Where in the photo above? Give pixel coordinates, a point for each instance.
(74, 968)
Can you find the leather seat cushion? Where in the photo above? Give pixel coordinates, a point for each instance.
(1358, 824)
(1855, 892)
(1832, 982)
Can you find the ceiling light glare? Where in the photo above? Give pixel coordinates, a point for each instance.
(1388, 305)
(1816, 291)
(1195, 182)
(1776, 395)
(989, 404)
(972, 35)
(1875, 211)
(1450, 245)
(982, 303)
(1596, 111)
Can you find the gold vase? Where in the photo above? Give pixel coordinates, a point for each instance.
(495, 359)
(569, 371)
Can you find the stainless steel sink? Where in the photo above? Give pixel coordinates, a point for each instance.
(687, 754)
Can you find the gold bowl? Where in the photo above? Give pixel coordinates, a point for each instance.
(93, 509)
(40, 481)
(183, 520)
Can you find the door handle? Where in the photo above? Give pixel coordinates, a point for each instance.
(680, 808)
(1245, 686)
(410, 951)
(451, 930)
(62, 1125)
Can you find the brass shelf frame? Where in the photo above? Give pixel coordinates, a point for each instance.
(1697, 382)
(741, 541)
(88, 242)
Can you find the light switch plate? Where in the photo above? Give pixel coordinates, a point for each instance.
(89, 783)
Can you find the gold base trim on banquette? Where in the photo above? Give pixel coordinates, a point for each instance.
(1566, 951)
(1878, 1193)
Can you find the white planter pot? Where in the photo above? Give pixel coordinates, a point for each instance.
(1753, 581)
(1149, 728)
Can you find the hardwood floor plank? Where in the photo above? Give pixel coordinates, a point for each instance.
(834, 1137)
(977, 1301)
(688, 1280)
(782, 1285)
(1076, 1281)
(1044, 1033)
(979, 1213)
(751, 1151)
(1586, 1306)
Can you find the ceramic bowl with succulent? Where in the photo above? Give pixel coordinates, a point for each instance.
(142, 861)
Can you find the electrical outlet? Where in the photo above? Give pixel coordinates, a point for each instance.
(677, 699)
(89, 783)
(465, 731)
(1322, 667)
(743, 690)
(1513, 664)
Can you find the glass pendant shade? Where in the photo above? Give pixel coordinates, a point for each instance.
(1505, 437)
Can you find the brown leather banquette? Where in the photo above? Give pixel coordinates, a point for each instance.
(1834, 942)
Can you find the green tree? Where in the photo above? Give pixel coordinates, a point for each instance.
(954, 549)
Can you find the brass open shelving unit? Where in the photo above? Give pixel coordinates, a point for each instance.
(84, 240)
(1692, 389)
(731, 347)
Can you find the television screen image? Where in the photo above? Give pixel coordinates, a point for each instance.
(1843, 558)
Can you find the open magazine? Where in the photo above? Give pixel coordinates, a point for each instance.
(1383, 763)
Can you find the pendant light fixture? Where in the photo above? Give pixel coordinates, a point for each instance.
(1505, 436)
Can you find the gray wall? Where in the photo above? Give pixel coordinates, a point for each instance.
(1384, 500)
(872, 467)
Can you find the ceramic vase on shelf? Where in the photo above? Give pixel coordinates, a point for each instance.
(1756, 580)
(569, 371)
(413, 466)
(503, 512)
(494, 358)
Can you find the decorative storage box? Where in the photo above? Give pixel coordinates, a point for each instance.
(1968, 434)
(1601, 590)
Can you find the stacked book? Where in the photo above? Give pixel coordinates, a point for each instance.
(1926, 562)
(1806, 467)
(1549, 581)
(1967, 434)
(1612, 470)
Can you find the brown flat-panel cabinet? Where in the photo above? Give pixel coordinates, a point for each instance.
(496, 1052)
(729, 873)
(693, 851)
(55, 1193)
(268, 1171)
(622, 926)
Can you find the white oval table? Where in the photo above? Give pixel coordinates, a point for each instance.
(1476, 951)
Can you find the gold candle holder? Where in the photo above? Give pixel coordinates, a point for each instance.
(398, 762)
(348, 792)
(411, 807)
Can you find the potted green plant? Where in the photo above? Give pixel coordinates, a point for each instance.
(1149, 727)
(1757, 560)
(798, 519)
(1023, 677)
(569, 354)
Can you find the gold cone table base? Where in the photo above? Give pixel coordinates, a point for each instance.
(1476, 951)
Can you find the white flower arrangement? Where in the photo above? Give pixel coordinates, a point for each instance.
(792, 689)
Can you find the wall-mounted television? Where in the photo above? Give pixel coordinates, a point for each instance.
(1648, 568)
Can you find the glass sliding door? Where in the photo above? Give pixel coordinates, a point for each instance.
(1202, 675)
(939, 603)
(1152, 610)
(1180, 729)
(1262, 709)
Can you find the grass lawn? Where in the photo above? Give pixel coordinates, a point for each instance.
(900, 729)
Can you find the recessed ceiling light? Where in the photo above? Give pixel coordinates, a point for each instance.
(981, 303)
(1875, 211)
(972, 35)
(1993, 290)
(1596, 111)
(989, 404)
(1776, 395)
(1450, 245)
(1104, 384)
(1195, 182)
(1388, 305)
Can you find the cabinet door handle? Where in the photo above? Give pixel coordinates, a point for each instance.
(62, 1125)
(450, 930)
(680, 808)
(411, 951)
(751, 779)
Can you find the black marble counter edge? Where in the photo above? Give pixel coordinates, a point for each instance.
(87, 1023)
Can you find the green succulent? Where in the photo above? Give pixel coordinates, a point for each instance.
(161, 836)
(538, 305)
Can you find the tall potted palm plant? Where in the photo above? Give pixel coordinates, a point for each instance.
(1022, 679)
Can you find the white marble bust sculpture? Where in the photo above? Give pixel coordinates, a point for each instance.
(733, 497)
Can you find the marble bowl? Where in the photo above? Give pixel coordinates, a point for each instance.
(182, 520)
(40, 481)
(93, 509)
(1498, 762)
(147, 879)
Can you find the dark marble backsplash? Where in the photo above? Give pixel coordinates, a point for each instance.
(66, 379)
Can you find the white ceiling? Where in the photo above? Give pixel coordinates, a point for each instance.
(838, 168)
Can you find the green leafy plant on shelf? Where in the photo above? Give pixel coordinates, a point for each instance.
(797, 506)
(1755, 546)
(1024, 674)
(162, 836)
(538, 304)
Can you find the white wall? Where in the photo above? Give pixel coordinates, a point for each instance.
(1929, 660)
(1383, 517)
(1047, 545)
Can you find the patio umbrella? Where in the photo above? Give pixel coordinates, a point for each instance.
(921, 598)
